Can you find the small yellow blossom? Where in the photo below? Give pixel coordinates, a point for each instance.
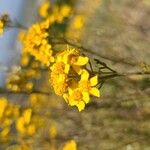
(70, 145)
(43, 9)
(88, 85)
(75, 98)
(65, 10)
(1, 27)
(78, 22)
(52, 132)
(27, 115)
(72, 58)
(61, 12)
(24, 125)
(3, 105)
(8, 114)
(20, 80)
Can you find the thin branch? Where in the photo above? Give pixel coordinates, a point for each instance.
(115, 74)
(25, 92)
(66, 41)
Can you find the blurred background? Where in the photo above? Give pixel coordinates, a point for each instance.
(118, 33)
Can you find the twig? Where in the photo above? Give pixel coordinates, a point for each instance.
(24, 92)
(66, 41)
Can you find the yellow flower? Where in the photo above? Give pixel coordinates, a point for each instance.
(43, 9)
(70, 145)
(1, 27)
(79, 92)
(78, 22)
(65, 10)
(88, 85)
(75, 98)
(61, 12)
(71, 57)
(24, 125)
(27, 115)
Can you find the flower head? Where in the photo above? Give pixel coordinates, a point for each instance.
(88, 85)
(79, 93)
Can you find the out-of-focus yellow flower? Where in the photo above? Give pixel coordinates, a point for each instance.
(1, 27)
(24, 125)
(5, 132)
(43, 9)
(27, 115)
(25, 59)
(70, 145)
(61, 12)
(3, 105)
(53, 132)
(20, 80)
(65, 10)
(35, 42)
(4, 19)
(8, 114)
(78, 22)
(75, 28)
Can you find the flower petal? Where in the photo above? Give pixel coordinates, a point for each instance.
(70, 91)
(81, 61)
(94, 81)
(72, 102)
(67, 68)
(86, 97)
(95, 92)
(84, 75)
(80, 105)
(65, 96)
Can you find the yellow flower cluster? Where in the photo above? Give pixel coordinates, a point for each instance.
(8, 114)
(24, 124)
(56, 13)
(35, 42)
(20, 80)
(70, 78)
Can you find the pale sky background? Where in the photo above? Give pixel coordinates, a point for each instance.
(24, 11)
